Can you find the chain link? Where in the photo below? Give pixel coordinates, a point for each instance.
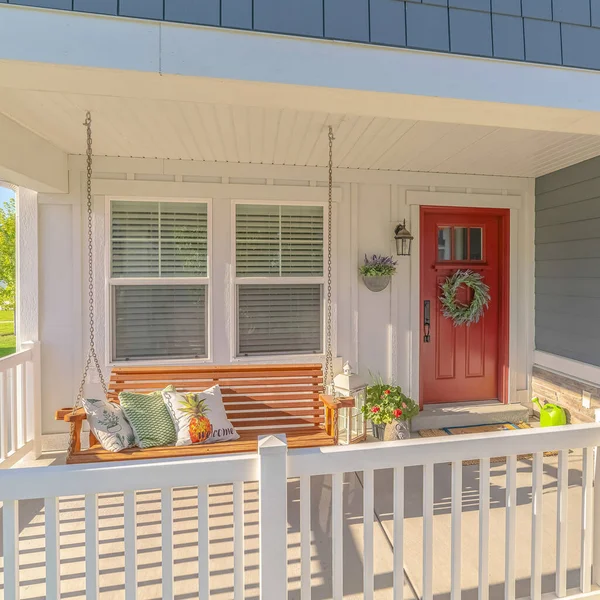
(92, 357)
(328, 370)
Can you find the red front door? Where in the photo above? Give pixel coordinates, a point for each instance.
(464, 363)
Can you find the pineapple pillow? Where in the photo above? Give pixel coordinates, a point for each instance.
(199, 417)
(109, 425)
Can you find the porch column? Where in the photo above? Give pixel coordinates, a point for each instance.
(27, 301)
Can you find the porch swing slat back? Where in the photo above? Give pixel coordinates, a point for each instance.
(258, 399)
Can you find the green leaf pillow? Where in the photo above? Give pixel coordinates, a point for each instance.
(149, 418)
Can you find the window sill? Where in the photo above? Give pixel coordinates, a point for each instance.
(279, 359)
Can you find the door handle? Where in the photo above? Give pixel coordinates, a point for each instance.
(427, 321)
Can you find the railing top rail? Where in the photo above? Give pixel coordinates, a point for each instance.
(76, 480)
(422, 451)
(13, 360)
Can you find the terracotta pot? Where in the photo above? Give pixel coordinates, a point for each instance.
(377, 284)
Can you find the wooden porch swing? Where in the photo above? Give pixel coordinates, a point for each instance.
(259, 399)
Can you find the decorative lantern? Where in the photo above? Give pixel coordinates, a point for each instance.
(403, 239)
(352, 426)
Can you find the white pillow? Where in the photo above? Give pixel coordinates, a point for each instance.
(199, 417)
(109, 425)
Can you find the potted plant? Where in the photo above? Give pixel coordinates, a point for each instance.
(377, 271)
(389, 411)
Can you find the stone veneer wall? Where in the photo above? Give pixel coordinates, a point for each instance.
(565, 391)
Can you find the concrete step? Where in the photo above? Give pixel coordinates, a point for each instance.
(438, 416)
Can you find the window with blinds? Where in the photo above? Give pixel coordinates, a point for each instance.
(158, 244)
(285, 244)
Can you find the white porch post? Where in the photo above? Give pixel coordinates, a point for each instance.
(596, 521)
(27, 301)
(272, 451)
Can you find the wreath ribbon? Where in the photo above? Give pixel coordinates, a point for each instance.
(464, 314)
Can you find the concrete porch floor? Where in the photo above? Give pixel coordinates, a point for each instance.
(221, 537)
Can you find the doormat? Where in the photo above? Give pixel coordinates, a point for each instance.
(492, 427)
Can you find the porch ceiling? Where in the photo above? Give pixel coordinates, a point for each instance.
(248, 134)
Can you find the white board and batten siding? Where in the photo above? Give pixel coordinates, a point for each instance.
(372, 330)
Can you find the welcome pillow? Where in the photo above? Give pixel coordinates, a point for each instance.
(199, 417)
(149, 419)
(108, 424)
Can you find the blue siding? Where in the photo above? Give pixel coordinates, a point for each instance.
(555, 32)
(567, 270)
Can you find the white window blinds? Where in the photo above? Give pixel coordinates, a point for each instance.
(159, 321)
(285, 244)
(159, 239)
(279, 241)
(158, 244)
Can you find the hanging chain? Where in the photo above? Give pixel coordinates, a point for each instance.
(328, 371)
(92, 357)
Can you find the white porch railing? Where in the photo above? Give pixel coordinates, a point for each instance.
(20, 409)
(273, 468)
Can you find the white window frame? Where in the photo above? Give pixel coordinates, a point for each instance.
(236, 281)
(112, 282)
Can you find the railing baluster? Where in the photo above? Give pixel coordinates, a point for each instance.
(91, 547)
(536, 525)
(203, 544)
(456, 528)
(368, 510)
(587, 531)
(10, 538)
(14, 424)
(166, 500)
(238, 540)
(428, 531)
(399, 533)
(511, 527)
(23, 404)
(130, 530)
(484, 529)
(561, 523)
(3, 415)
(52, 528)
(305, 543)
(337, 523)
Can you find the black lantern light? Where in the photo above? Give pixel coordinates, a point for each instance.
(403, 239)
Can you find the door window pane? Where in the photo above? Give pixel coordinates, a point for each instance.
(476, 243)
(444, 243)
(461, 243)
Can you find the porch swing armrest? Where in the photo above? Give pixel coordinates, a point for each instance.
(67, 414)
(329, 401)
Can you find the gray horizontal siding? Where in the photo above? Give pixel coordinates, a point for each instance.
(567, 255)
(558, 32)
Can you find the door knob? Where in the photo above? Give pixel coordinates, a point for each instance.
(427, 321)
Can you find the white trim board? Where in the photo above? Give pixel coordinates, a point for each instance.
(458, 199)
(580, 371)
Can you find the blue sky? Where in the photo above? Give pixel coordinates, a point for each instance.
(5, 194)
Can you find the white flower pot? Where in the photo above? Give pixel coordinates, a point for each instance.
(377, 284)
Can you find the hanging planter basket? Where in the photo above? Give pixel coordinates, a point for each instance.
(377, 283)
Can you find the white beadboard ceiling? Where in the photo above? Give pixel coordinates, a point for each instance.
(246, 134)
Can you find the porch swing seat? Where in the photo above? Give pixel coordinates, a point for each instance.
(259, 400)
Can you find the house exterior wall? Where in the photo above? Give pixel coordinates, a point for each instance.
(557, 32)
(567, 285)
(374, 331)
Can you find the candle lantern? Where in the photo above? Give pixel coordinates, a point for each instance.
(351, 391)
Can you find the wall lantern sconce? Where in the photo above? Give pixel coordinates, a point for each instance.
(403, 239)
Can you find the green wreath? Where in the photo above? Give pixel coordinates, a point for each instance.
(463, 314)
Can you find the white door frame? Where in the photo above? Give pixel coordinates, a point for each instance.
(521, 281)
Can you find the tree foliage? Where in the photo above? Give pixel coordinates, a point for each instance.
(7, 255)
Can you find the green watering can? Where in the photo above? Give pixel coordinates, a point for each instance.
(551, 415)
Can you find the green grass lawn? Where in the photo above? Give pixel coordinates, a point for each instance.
(8, 341)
